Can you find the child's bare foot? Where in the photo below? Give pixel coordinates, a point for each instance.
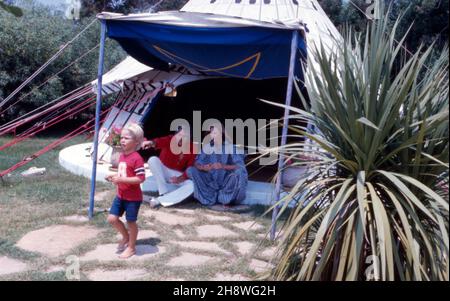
(127, 253)
(123, 244)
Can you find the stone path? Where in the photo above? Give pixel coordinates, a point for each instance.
(244, 247)
(229, 277)
(168, 218)
(218, 218)
(217, 231)
(173, 243)
(259, 266)
(55, 268)
(269, 253)
(116, 275)
(57, 240)
(109, 252)
(187, 259)
(249, 225)
(203, 246)
(10, 266)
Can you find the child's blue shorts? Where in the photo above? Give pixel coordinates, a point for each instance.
(131, 208)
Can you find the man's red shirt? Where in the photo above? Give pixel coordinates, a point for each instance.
(179, 162)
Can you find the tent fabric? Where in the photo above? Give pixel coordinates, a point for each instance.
(131, 74)
(319, 29)
(262, 10)
(205, 20)
(126, 70)
(309, 13)
(252, 52)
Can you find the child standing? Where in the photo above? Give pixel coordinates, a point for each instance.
(131, 173)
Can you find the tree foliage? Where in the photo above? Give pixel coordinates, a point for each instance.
(27, 43)
(428, 19)
(92, 7)
(16, 11)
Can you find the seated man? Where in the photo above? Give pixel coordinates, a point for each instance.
(169, 169)
(219, 173)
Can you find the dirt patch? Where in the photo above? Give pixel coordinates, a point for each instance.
(57, 240)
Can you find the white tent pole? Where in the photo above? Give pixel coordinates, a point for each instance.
(276, 194)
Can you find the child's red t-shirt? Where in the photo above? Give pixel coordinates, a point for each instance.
(131, 165)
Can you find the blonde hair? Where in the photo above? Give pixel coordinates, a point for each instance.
(136, 132)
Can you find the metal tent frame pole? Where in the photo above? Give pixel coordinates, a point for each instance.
(290, 85)
(98, 109)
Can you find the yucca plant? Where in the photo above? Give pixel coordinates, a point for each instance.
(373, 204)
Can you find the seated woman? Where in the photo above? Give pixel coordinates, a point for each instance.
(219, 172)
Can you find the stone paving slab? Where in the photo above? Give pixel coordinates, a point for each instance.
(56, 240)
(229, 277)
(187, 259)
(142, 235)
(269, 253)
(117, 275)
(168, 218)
(249, 226)
(11, 266)
(203, 246)
(108, 252)
(259, 266)
(214, 231)
(180, 233)
(244, 247)
(218, 218)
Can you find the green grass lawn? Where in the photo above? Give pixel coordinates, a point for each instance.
(28, 203)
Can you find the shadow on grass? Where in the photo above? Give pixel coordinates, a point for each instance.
(148, 241)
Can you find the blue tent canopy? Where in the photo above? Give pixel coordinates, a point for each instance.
(244, 51)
